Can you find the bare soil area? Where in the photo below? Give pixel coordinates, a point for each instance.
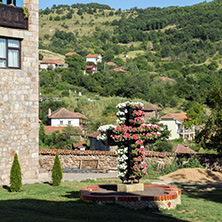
(193, 175)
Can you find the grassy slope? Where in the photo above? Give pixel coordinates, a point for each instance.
(87, 26)
(51, 55)
(42, 202)
(83, 28)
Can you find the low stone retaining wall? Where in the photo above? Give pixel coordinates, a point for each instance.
(78, 159)
(108, 160)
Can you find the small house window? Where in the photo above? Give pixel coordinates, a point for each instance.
(61, 122)
(69, 122)
(10, 53)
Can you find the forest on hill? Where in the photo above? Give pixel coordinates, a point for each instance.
(181, 43)
(174, 54)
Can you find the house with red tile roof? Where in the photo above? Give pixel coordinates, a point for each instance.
(79, 146)
(175, 123)
(167, 79)
(70, 53)
(119, 69)
(111, 64)
(91, 69)
(179, 148)
(63, 117)
(95, 58)
(52, 63)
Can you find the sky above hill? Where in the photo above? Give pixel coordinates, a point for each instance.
(123, 4)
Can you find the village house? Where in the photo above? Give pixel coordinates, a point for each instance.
(61, 118)
(151, 111)
(91, 69)
(94, 58)
(70, 53)
(111, 64)
(19, 83)
(52, 64)
(175, 123)
(79, 146)
(179, 148)
(119, 69)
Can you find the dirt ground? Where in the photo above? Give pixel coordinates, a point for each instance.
(193, 175)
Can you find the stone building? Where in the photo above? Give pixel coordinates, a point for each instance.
(151, 111)
(19, 127)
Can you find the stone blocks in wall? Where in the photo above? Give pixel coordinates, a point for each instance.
(108, 160)
(19, 121)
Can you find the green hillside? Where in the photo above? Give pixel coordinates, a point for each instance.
(170, 56)
(183, 44)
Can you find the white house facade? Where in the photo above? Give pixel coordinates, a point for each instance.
(63, 117)
(94, 58)
(175, 123)
(65, 122)
(52, 64)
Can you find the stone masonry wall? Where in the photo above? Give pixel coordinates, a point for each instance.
(19, 125)
(108, 160)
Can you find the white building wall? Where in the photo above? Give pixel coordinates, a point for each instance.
(173, 127)
(94, 60)
(56, 122)
(45, 66)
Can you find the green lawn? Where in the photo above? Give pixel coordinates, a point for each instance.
(42, 202)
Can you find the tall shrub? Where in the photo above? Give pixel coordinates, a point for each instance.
(15, 175)
(56, 171)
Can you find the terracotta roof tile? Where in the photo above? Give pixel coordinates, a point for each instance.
(92, 56)
(165, 79)
(79, 145)
(51, 61)
(70, 53)
(119, 70)
(50, 129)
(111, 64)
(178, 116)
(63, 113)
(178, 148)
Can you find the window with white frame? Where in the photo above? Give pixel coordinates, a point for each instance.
(10, 53)
(61, 122)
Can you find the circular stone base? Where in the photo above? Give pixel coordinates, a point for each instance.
(153, 196)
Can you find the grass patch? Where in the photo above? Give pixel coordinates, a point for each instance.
(51, 55)
(42, 202)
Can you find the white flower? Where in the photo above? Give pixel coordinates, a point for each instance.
(106, 127)
(122, 105)
(122, 151)
(118, 121)
(101, 137)
(121, 174)
(122, 166)
(119, 113)
(122, 158)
